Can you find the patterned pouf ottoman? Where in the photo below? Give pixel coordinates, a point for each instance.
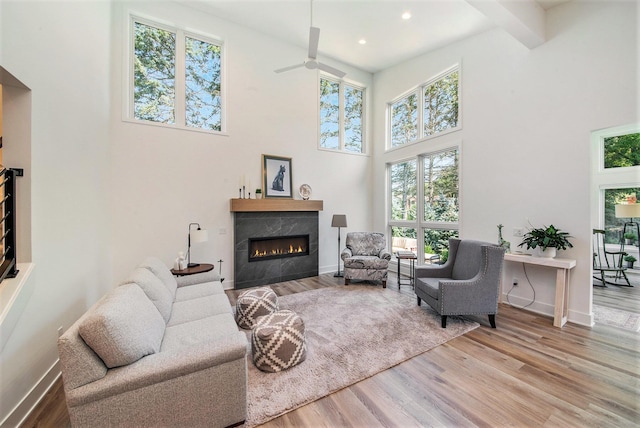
(253, 304)
(278, 341)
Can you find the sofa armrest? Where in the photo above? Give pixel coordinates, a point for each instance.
(197, 278)
(346, 253)
(385, 254)
(161, 367)
(439, 271)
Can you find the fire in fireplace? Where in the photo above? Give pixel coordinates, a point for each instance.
(278, 247)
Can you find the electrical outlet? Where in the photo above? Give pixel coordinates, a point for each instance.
(222, 231)
(60, 331)
(515, 282)
(518, 231)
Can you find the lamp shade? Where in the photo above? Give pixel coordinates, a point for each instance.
(339, 220)
(199, 235)
(627, 210)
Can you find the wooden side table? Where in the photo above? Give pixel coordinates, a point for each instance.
(563, 269)
(202, 267)
(412, 257)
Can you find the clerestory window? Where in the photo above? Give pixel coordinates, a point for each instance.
(341, 116)
(177, 77)
(425, 111)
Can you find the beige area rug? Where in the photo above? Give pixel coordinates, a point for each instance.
(352, 332)
(616, 318)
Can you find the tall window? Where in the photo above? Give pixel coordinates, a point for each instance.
(431, 109)
(341, 116)
(616, 179)
(424, 204)
(176, 77)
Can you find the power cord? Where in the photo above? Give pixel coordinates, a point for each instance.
(524, 268)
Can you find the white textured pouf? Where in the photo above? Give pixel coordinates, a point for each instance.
(278, 341)
(253, 304)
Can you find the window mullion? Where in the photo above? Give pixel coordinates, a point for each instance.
(341, 116)
(180, 102)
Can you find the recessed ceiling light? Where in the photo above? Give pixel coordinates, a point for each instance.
(362, 41)
(406, 15)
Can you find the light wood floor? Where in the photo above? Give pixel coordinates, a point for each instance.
(525, 373)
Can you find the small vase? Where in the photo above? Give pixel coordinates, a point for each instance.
(258, 195)
(548, 253)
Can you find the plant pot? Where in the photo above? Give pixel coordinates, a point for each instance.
(629, 241)
(630, 265)
(549, 253)
(258, 195)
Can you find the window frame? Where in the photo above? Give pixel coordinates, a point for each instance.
(180, 74)
(419, 90)
(609, 178)
(341, 114)
(420, 224)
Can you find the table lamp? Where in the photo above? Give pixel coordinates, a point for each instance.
(195, 236)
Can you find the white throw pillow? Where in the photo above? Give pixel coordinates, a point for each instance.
(123, 327)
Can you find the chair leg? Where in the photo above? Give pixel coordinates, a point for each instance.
(492, 320)
(626, 279)
(346, 281)
(444, 321)
(419, 301)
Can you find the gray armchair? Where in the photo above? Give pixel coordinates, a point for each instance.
(467, 284)
(366, 257)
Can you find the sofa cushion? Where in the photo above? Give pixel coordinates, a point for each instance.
(209, 329)
(154, 289)
(202, 307)
(159, 269)
(366, 262)
(196, 291)
(430, 286)
(123, 327)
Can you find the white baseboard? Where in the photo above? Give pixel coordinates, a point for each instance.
(20, 413)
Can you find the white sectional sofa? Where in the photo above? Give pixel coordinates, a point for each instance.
(156, 351)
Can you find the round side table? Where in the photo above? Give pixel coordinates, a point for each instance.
(202, 267)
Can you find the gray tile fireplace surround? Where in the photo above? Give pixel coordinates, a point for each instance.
(270, 224)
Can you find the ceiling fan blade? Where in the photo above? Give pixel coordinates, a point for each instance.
(314, 37)
(291, 67)
(331, 70)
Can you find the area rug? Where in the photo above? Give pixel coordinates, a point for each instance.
(616, 318)
(352, 332)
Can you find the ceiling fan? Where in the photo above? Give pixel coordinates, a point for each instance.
(311, 62)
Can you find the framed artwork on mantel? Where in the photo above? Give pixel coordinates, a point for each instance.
(276, 177)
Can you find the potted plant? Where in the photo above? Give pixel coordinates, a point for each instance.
(548, 239)
(629, 238)
(630, 260)
(258, 193)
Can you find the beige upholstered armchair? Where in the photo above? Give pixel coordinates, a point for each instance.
(366, 257)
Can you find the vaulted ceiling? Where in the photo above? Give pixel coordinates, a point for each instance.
(390, 39)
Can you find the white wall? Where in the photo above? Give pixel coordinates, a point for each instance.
(60, 50)
(107, 193)
(164, 179)
(527, 117)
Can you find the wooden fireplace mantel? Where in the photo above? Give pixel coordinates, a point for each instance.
(270, 205)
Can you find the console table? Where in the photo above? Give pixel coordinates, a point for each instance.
(563, 268)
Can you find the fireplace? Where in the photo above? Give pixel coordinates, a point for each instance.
(274, 246)
(278, 247)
